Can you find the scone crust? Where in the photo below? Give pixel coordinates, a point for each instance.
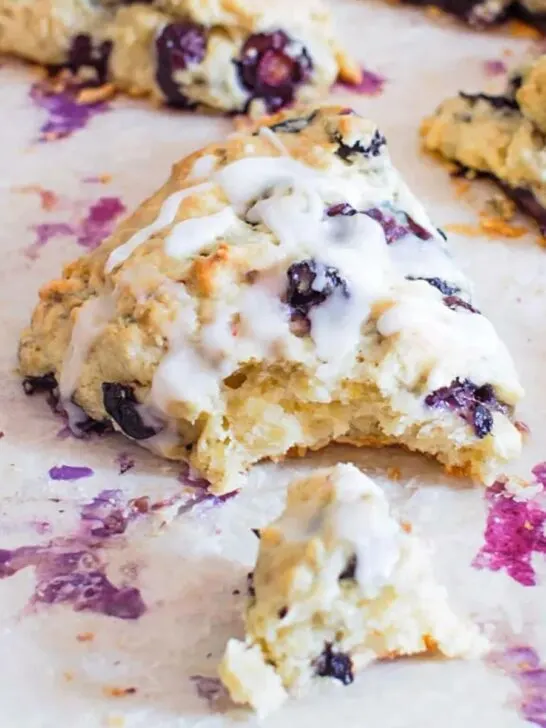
(186, 52)
(203, 326)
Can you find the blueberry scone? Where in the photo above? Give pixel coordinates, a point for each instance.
(501, 137)
(483, 14)
(225, 54)
(283, 290)
(339, 582)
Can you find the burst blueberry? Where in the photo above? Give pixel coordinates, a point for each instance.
(84, 52)
(121, 404)
(334, 664)
(310, 283)
(178, 46)
(272, 66)
(474, 404)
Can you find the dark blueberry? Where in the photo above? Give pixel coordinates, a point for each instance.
(97, 427)
(271, 66)
(397, 224)
(455, 303)
(482, 420)
(418, 230)
(178, 46)
(347, 152)
(256, 532)
(445, 288)
(342, 208)
(350, 569)
(497, 102)
(250, 584)
(85, 53)
(283, 612)
(527, 203)
(293, 126)
(43, 383)
(474, 404)
(334, 664)
(121, 404)
(310, 283)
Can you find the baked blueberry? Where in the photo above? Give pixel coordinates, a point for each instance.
(334, 664)
(178, 46)
(121, 404)
(271, 66)
(373, 149)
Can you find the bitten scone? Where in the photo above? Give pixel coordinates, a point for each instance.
(338, 583)
(226, 54)
(482, 14)
(500, 136)
(283, 290)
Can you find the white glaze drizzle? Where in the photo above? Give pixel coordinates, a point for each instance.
(91, 319)
(191, 236)
(166, 217)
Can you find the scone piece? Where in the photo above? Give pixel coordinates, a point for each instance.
(283, 290)
(339, 582)
(225, 54)
(501, 137)
(482, 14)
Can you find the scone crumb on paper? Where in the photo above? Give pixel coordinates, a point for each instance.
(339, 582)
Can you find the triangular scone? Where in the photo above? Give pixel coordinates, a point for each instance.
(339, 582)
(283, 290)
(500, 137)
(229, 55)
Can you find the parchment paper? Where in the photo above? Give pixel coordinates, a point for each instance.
(63, 668)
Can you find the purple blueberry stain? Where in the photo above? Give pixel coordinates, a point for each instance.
(66, 114)
(475, 404)
(99, 221)
(69, 472)
(523, 665)
(271, 66)
(456, 303)
(71, 570)
(124, 462)
(89, 225)
(370, 84)
(515, 530)
(209, 689)
(178, 47)
(397, 224)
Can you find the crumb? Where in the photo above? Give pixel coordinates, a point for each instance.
(406, 526)
(394, 473)
(85, 637)
(236, 592)
(493, 226)
(116, 692)
(519, 29)
(433, 12)
(116, 721)
(500, 206)
(68, 676)
(94, 94)
(522, 427)
(430, 643)
(461, 186)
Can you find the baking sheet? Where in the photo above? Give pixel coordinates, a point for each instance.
(183, 564)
